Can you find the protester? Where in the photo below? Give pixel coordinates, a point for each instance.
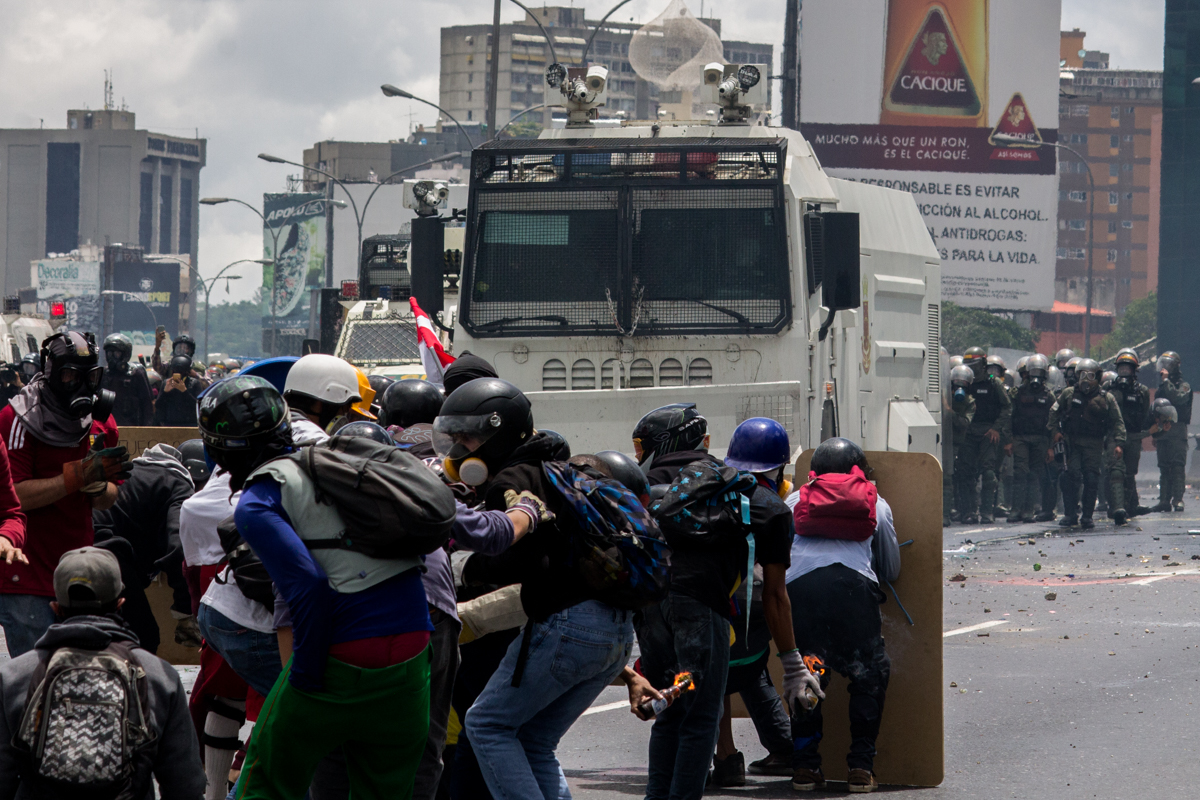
(837, 564)
(64, 464)
(465, 368)
(320, 391)
(359, 673)
(689, 631)
(135, 403)
(176, 405)
(87, 603)
(485, 432)
(409, 402)
(145, 518)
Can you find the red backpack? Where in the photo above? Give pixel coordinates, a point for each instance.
(837, 505)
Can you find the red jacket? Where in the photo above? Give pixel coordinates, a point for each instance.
(12, 521)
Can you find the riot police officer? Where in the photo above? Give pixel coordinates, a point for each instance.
(1062, 357)
(135, 404)
(1172, 444)
(1085, 416)
(1032, 402)
(1134, 399)
(1069, 370)
(986, 439)
(961, 411)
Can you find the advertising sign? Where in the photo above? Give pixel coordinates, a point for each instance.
(76, 284)
(911, 94)
(297, 222)
(151, 298)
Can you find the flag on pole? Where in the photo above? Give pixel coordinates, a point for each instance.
(434, 358)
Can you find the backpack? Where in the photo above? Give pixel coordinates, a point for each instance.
(616, 547)
(85, 720)
(392, 504)
(837, 505)
(248, 571)
(708, 505)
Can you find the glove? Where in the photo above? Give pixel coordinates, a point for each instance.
(796, 679)
(531, 504)
(99, 467)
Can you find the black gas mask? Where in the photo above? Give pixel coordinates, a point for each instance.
(184, 346)
(116, 359)
(73, 373)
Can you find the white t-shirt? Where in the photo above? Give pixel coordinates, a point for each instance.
(813, 552)
(198, 519)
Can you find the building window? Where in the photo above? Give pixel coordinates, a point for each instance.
(1126, 167)
(1114, 170)
(1076, 138)
(1112, 226)
(1127, 138)
(1063, 110)
(146, 209)
(469, 116)
(1077, 224)
(62, 197)
(1112, 198)
(468, 97)
(1114, 141)
(1129, 110)
(1079, 111)
(470, 77)
(185, 215)
(1126, 254)
(602, 48)
(1112, 256)
(164, 214)
(1116, 112)
(1072, 253)
(1127, 223)
(1128, 196)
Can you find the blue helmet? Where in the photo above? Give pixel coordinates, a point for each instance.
(759, 445)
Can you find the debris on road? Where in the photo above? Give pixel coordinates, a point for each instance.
(1037, 567)
(959, 577)
(1051, 595)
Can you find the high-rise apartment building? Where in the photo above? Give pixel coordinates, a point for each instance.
(524, 56)
(98, 180)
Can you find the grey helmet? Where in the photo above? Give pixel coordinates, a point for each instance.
(1163, 411)
(1062, 357)
(1087, 375)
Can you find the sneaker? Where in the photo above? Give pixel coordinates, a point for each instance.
(1086, 523)
(1120, 517)
(1045, 516)
(730, 771)
(805, 780)
(861, 781)
(773, 765)
(1068, 522)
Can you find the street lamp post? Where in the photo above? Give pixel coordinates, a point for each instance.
(118, 292)
(392, 91)
(517, 116)
(207, 286)
(359, 216)
(1007, 139)
(215, 201)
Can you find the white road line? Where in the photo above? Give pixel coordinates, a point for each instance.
(1153, 578)
(606, 707)
(979, 627)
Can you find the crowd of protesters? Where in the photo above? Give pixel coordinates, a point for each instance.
(410, 590)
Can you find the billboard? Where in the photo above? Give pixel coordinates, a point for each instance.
(297, 222)
(152, 297)
(910, 94)
(76, 284)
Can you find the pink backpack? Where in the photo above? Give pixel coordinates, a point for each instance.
(837, 505)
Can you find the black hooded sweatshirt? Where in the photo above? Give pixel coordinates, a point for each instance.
(539, 561)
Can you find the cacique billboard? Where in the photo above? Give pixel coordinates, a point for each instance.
(910, 94)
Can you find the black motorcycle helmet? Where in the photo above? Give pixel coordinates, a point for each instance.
(669, 429)
(118, 349)
(409, 402)
(183, 345)
(366, 430)
(626, 472)
(977, 360)
(380, 384)
(70, 362)
(244, 423)
(180, 365)
(191, 453)
(838, 455)
(481, 422)
(30, 367)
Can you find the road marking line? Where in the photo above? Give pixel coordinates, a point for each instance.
(606, 707)
(979, 627)
(1152, 579)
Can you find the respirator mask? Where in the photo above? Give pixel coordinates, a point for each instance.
(115, 358)
(74, 376)
(458, 440)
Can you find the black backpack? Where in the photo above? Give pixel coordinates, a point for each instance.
(392, 504)
(248, 571)
(706, 506)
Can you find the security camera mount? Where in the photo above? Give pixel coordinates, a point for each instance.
(581, 91)
(425, 197)
(735, 88)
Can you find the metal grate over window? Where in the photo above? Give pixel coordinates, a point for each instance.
(583, 375)
(699, 372)
(778, 407)
(616, 237)
(933, 361)
(554, 376)
(380, 342)
(641, 374)
(670, 372)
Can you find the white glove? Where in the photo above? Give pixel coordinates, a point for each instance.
(797, 678)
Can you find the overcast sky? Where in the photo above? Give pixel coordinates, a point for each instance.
(278, 75)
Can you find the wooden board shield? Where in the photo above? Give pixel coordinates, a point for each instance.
(911, 748)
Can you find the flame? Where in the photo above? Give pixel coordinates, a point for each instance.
(815, 665)
(685, 677)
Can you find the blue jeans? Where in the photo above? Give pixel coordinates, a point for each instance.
(572, 656)
(253, 655)
(24, 617)
(681, 634)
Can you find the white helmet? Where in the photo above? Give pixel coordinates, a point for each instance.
(325, 378)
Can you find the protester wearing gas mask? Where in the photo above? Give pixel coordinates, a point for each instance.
(176, 406)
(135, 403)
(62, 446)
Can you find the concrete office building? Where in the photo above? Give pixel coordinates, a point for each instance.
(524, 56)
(99, 180)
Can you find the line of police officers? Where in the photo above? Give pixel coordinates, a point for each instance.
(1069, 428)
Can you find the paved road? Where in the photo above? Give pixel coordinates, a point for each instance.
(1089, 695)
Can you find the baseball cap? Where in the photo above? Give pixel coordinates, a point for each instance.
(89, 577)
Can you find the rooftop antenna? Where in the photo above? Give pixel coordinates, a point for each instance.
(108, 90)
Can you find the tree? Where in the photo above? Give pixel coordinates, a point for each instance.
(233, 328)
(1138, 323)
(974, 327)
(527, 127)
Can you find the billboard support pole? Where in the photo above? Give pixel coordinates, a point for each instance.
(791, 66)
(493, 71)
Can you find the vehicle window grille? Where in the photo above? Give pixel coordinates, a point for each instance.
(607, 369)
(583, 375)
(554, 376)
(641, 374)
(933, 349)
(670, 372)
(385, 263)
(380, 342)
(779, 407)
(699, 372)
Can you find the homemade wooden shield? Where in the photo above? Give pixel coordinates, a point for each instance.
(911, 739)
